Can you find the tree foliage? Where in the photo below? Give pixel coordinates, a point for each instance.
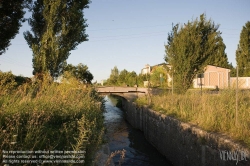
(141, 78)
(123, 78)
(232, 70)
(159, 76)
(10, 82)
(113, 78)
(80, 72)
(191, 47)
(243, 51)
(58, 26)
(11, 18)
(131, 79)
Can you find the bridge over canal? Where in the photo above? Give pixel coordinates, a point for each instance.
(129, 93)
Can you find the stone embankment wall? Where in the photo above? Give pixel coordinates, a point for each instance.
(185, 144)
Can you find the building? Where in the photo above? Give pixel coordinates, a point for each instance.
(213, 77)
(146, 69)
(151, 69)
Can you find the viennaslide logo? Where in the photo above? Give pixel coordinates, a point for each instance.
(233, 155)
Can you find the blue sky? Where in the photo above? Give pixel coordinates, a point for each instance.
(131, 33)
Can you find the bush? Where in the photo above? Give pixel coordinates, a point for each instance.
(7, 82)
(44, 115)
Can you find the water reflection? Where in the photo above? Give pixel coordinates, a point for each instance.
(124, 136)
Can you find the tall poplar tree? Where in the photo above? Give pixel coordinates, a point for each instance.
(243, 51)
(57, 27)
(191, 47)
(113, 78)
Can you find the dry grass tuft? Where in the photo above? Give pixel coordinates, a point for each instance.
(113, 154)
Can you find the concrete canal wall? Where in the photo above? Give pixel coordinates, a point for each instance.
(183, 143)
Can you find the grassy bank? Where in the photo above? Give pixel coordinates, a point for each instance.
(211, 112)
(51, 116)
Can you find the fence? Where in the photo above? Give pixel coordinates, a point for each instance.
(243, 82)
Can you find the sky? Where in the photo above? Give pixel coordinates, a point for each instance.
(131, 33)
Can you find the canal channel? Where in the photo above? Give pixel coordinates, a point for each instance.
(121, 135)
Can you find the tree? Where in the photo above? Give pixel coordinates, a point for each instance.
(158, 76)
(21, 80)
(131, 78)
(11, 17)
(80, 72)
(140, 79)
(191, 47)
(233, 71)
(113, 78)
(243, 51)
(58, 26)
(122, 79)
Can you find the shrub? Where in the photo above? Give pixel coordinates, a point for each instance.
(7, 82)
(43, 115)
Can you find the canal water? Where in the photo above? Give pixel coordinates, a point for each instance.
(121, 135)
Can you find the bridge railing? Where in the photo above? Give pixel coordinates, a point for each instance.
(121, 89)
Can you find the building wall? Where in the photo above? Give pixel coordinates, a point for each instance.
(146, 69)
(214, 77)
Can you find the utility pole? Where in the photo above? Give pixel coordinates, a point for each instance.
(161, 79)
(237, 75)
(201, 75)
(172, 74)
(172, 82)
(148, 72)
(236, 111)
(201, 84)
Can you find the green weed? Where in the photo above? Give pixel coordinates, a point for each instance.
(43, 115)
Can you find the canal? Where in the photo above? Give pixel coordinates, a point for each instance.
(121, 135)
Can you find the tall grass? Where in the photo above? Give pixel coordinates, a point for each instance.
(44, 115)
(212, 112)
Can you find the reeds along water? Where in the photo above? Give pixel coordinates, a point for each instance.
(44, 115)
